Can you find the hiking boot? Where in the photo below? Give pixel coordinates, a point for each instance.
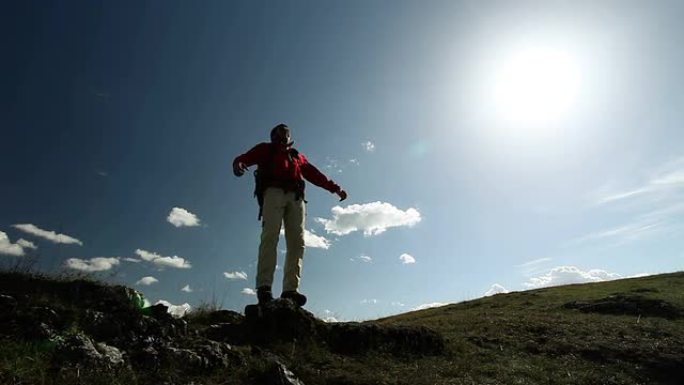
(298, 298)
(264, 294)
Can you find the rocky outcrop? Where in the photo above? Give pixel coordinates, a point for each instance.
(282, 320)
(96, 328)
(78, 349)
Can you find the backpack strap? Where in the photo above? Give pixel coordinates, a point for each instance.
(299, 193)
(261, 177)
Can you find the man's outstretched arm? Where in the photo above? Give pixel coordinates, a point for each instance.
(250, 158)
(313, 175)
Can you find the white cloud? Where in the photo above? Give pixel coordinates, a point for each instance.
(535, 266)
(397, 303)
(311, 240)
(159, 260)
(333, 165)
(134, 260)
(248, 291)
(564, 275)
(146, 255)
(371, 218)
(639, 275)
(623, 195)
(235, 275)
(661, 183)
(372, 301)
(406, 259)
(49, 235)
(328, 316)
(147, 281)
(316, 241)
(26, 244)
(93, 264)
(656, 200)
(9, 248)
(368, 146)
(495, 289)
(429, 305)
(186, 289)
(629, 232)
(180, 217)
(362, 258)
(534, 262)
(177, 262)
(176, 311)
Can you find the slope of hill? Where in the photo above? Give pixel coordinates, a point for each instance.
(63, 331)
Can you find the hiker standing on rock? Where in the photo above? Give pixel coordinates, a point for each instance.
(280, 192)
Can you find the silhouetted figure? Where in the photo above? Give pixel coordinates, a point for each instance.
(280, 192)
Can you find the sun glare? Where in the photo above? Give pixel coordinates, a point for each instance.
(536, 85)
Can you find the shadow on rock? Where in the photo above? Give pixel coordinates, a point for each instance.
(281, 320)
(352, 338)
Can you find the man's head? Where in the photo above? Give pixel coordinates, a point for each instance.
(280, 134)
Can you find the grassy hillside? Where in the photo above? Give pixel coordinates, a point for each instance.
(629, 331)
(620, 332)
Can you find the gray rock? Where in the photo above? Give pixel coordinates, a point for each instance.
(195, 356)
(216, 354)
(229, 332)
(287, 377)
(33, 329)
(79, 349)
(160, 312)
(7, 304)
(282, 320)
(180, 327)
(186, 357)
(225, 316)
(162, 324)
(147, 357)
(44, 314)
(76, 348)
(102, 326)
(110, 354)
(276, 373)
(36, 323)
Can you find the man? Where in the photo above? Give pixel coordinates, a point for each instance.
(280, 192)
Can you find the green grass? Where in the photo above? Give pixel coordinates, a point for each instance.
(20, 361)
(527, 338)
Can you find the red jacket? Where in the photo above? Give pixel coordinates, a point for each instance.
(284, 170)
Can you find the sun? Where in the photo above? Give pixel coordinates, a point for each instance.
(536, 85)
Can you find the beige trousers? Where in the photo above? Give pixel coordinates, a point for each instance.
(279, 207)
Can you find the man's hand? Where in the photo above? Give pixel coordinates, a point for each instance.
(239, 168)
(342, 194)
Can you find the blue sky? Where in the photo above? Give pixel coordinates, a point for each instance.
(501, 146)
